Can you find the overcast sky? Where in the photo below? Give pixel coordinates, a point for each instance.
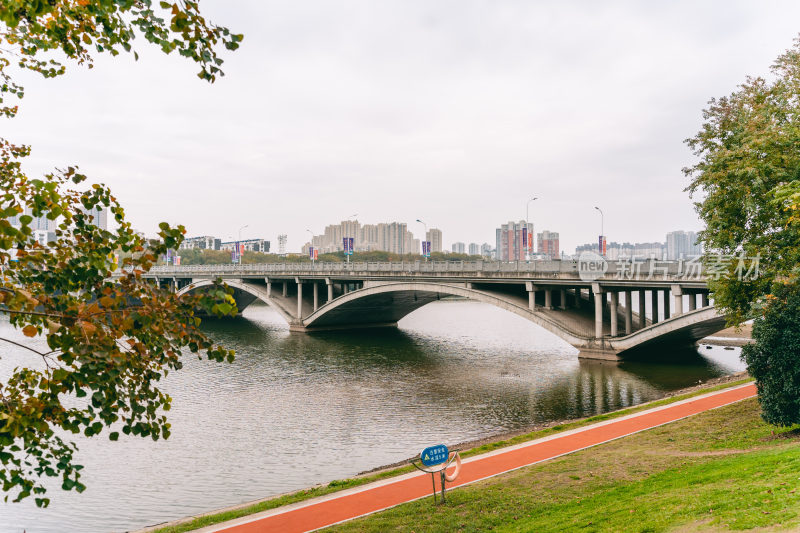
(454, 112)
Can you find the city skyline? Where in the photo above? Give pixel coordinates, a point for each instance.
(310, 126)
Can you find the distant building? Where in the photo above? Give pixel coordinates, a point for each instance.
(435, 237)
(474, 248)
(487, 250)
(389, 237)
(682, 244)
(43, 229)
(250, 245)
(459, 248)
(639, 250)
(509, 239)
(547, 244)
(205, 242)
(99, 217)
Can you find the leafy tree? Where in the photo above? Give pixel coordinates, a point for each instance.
(772, 360)
(748, 180)
(111, 335)
(748, 167)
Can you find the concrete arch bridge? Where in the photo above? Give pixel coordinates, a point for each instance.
(618, 313)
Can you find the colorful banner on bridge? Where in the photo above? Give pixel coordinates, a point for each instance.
(348, 245)
(426, 248)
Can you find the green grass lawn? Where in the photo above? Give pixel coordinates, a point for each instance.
(717, 471)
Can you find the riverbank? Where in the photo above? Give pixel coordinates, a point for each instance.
(720, 470)
(482, 447)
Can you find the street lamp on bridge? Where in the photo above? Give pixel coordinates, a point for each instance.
(347, 242)
(424, 240)
(529, 243)
(602, 239)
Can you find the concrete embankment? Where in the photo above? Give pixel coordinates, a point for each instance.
(730, 337)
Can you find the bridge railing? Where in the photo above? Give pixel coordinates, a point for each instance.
(619, 269)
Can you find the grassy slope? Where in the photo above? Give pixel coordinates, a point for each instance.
(334, 486)
(721, 470)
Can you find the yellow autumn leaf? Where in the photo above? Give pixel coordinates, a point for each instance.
(30, 331)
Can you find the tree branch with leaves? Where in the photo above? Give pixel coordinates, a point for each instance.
(112, 334)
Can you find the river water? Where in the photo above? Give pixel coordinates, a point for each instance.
(295, 410)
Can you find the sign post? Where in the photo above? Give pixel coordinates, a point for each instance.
(435, 460)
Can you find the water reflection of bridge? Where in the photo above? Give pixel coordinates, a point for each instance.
(619, 312)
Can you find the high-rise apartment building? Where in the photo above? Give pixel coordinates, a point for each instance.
(510, 238)
(459, 248)
(486, 250)
(639, 250)
(434, 236)
(387, 236)
(474, 248)
(547, 244)
(99, 217)
(682, 244)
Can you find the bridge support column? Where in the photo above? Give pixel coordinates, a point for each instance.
(316, 295)
(299, 298)
(654, 305)
(531, 288)
(599, 295)
(704, 299)
(642, 309)
(285, 288)
(613, 310)
(562, 304)
(677, 296)
(548, 298)
(577, 298)
(692, 302)
(269, 287)
(329, 283)
(667, 312)
(628, 313)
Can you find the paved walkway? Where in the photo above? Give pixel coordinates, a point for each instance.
(352, 503)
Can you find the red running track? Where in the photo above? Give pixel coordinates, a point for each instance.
(352, 503)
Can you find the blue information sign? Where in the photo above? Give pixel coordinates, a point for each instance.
(434, 455)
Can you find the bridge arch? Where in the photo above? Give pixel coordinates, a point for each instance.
(244, 293)
(387, 303)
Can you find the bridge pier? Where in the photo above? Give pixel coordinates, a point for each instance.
(329, 283)
(613, 311)
(315, 290)
(548, 298)
(642, 309)
(299, 297)
(677, 295)
(531, 288)
(692, 302)
(628, 313)
(654, 306)
(704, 299)
(598, 311)
(562, 304)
